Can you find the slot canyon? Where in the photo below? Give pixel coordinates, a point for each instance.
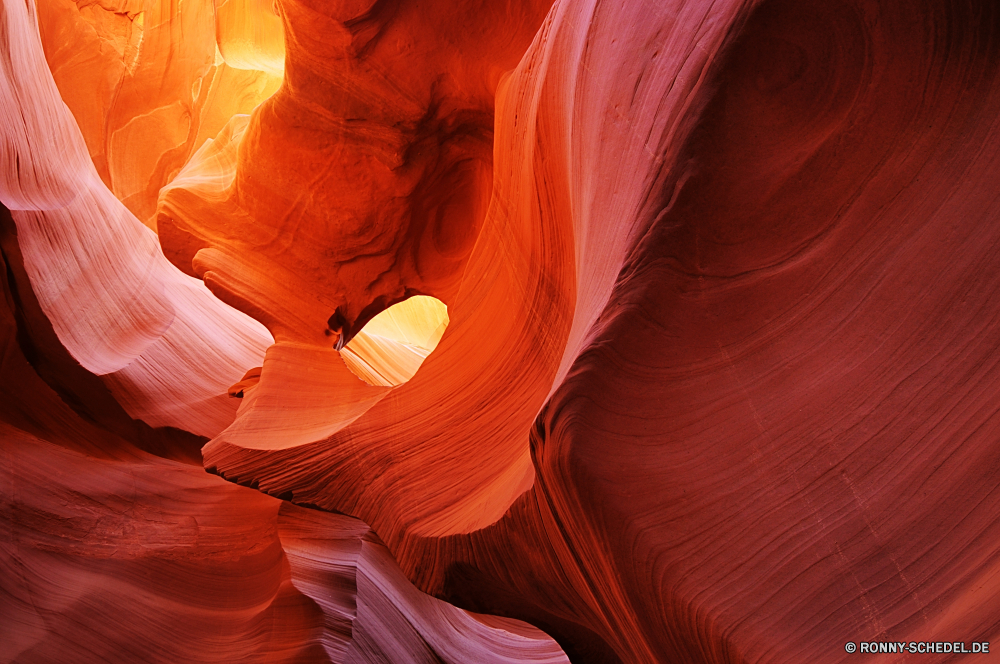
(483, 331)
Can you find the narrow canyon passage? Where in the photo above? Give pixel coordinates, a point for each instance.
(505, 330)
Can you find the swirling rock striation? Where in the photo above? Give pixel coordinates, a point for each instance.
(717, 382)
(115, 545)
(769, 411)
(163, 563)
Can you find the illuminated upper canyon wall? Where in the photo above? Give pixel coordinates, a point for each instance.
(665, 327)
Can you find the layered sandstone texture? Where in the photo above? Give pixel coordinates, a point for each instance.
(507, 330)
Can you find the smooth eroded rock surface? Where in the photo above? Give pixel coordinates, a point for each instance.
(644, 331)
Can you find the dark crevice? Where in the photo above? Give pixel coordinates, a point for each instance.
(79, 389)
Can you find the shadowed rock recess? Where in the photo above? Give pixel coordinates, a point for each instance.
(506, 330)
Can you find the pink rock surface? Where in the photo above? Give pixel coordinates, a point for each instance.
(109, 553)
(717, 381)
(163, 563)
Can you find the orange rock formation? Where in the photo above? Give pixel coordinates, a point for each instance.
(661, 330)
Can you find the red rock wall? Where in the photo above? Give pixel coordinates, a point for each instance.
(717, 383)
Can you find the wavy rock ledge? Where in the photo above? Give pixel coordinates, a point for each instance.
(717, 381)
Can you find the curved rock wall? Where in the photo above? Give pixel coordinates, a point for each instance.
(718, 377)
